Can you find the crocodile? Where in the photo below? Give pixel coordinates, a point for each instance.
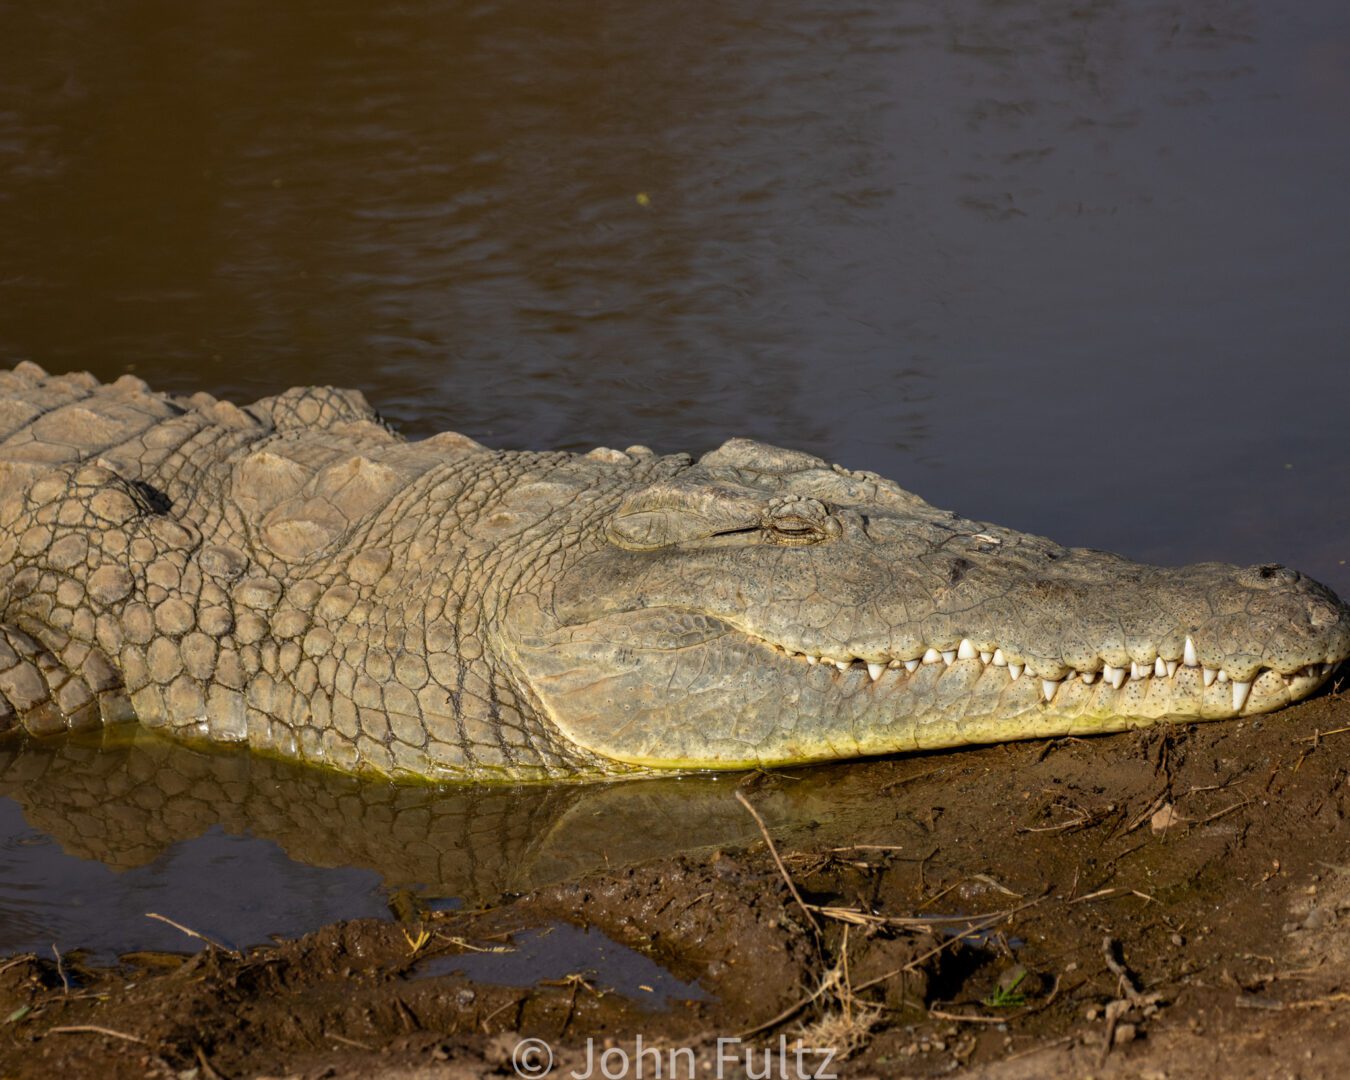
(295, 576)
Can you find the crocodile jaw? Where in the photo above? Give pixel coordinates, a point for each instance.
(669, 688)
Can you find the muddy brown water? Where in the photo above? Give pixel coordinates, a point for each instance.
(1076, 268)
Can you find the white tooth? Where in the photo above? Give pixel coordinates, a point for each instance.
(966, 651)
(999, 659)
(1015, 670)
(911, 666)
(985, 657)
(1189, 659)
(1089, 677)
(1223, 675)
(1048, 688)
(894, 665)
(1114, 675)
(1326, 669)
(875, 670)
(1172, 666)
(842, 665)
(948, 655)
(812, 659)
(932, 656)
(1240, 692)
(1160, 668)
(1140, 671)
(1210, 673)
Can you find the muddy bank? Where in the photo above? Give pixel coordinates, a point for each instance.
(1142, 905)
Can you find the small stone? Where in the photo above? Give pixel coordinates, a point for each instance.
(1166, 817)
(1125, 1033)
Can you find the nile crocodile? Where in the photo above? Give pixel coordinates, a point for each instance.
(295, 576)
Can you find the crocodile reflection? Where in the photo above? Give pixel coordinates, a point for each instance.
(124, 797)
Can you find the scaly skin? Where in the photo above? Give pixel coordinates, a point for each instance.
(294, 576)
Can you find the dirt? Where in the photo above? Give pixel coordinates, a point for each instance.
(1159, 904)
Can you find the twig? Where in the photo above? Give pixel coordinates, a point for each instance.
(779, 862)
(862, 918)
(1221, 813)
(349, 1042)
(985, 923)
(1316, 735)
(94, 1029)
(1319, 1003)
(1094, 895)
(1109, 947)
(193, 933)
(484, 1022)
(61, 970)
(794, 1008)
(941, 1014)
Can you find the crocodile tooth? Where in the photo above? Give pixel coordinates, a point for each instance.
(948, 656)
(932, 656)
(1172, 666)
(1088, 677)
(1140, 671)
(1114, 675)
(894, 665)
(1240, 692)
(1326, 668)
(1048, 688)
(1189, 659)
(812, 659)
(985, 657)
(875, 670)
(842, 665)
(1160, 668)
(999, 660)
(911, 666)
(1210, 673)
(966, 651)
(1015, 670)
(1223, 675)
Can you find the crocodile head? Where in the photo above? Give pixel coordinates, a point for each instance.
(763, 607)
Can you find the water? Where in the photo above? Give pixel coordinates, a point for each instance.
(560, 950)
(1078, 268)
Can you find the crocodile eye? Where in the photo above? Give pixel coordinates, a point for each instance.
(794, 530)
(793, 520)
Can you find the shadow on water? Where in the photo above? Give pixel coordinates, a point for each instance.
(240, 846)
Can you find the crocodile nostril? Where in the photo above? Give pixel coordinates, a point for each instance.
(1268, 576)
